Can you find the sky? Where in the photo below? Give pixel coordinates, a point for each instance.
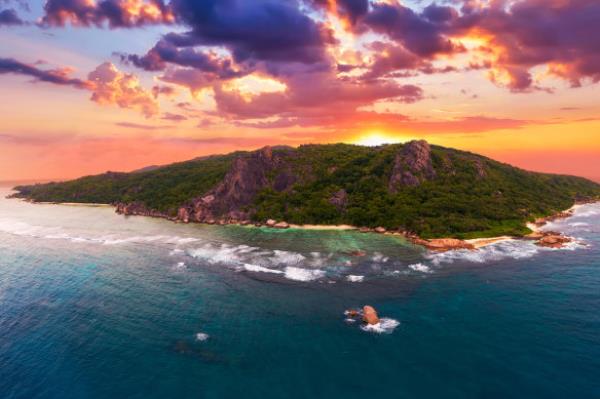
(88, 86)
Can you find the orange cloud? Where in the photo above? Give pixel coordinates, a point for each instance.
(112, 86)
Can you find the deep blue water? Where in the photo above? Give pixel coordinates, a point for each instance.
(95, 305)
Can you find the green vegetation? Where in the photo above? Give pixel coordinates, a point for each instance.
(472, 196)
(457, 203)
(162, 189)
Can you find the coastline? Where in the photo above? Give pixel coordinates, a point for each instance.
(435, 244)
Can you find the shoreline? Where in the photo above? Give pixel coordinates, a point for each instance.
(435, 244)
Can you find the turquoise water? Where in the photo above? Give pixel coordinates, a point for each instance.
(96, 305)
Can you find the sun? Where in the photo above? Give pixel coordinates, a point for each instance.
(374, 139)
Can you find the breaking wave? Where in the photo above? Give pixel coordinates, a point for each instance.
(300, 274)
(202, 336)
(355, 278)
(419, 267)
(260, 269)
(514, 249)
(385, 326)
(57, 233)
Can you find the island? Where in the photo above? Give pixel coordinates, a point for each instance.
(435, 196)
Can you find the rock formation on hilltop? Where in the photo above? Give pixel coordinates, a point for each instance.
(412, 166)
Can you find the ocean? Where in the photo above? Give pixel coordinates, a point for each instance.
(99, 305)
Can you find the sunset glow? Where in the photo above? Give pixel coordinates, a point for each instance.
(86, 89)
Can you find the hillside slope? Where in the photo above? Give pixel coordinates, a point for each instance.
(429, 190)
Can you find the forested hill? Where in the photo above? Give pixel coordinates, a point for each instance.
(429, 190)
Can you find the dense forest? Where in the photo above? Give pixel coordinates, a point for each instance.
(447, 192)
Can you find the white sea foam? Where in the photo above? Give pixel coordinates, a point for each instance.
(260, 269)
(202, 336)
(587, 213)
(355, 278)
(579, 224)
(385, 326)
(300, 274)
(179, 266)
(379, 258)
(419, 267)
(287, 257)
(514, 249)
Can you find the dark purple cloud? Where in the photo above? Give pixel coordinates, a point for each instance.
(10, 17)
(56, 76)
(271, 30)
(164, 52)
(350, 10)
(424, 35)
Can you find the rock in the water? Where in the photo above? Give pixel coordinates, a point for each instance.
(553, 241)
(443, 244)
(370, 315)
(380, 230)
(271, 223)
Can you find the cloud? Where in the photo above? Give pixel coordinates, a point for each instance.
(56, 76)
(114, 87)
(9, 17)
(140, 126)
(270, 30)
(303, 45)
(163, 90)
(114, 13)
(107, 84)
(559, 34)
(422, 34)
(348, 10)
(173, 117)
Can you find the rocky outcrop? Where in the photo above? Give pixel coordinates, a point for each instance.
(480, 169)
(183, 214)
(370, 315)
(442, 244)
(137, 209)
(553, 241)
(560, 215)
(281, 225)
(339, 199)
(248, 175)
(412, 166)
